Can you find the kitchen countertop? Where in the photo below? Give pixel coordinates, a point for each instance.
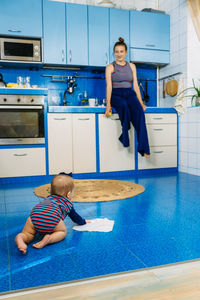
(23, 91)
(101, 109)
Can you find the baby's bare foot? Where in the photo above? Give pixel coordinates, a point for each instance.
(146, 155)
(43, 242)
(20, 243)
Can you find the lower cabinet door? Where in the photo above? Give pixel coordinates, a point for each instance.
(113, 156)
(84, 143)
(161, 157)
(60, 143)
(162, 134)
(22, 162)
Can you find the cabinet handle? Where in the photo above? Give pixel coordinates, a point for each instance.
(24, 154)
(106, 58)
(115, 119)
(158, 118)
(158, 129)
(14, 30)
(62, 55)
(83, 119)
(59, 119)
(70, 56)
(150, 45)
(158, 151)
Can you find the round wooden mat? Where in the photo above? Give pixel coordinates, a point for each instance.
(97, 190)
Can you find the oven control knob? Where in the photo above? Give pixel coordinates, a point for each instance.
(32, 100)
(18, 100)
(4, 100)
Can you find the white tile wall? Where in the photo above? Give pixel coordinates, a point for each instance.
(189, 141)
(124, 4)
(185, 58)
(177, 9)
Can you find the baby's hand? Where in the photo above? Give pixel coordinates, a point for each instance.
(88, 221)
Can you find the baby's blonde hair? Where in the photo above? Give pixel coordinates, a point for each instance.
(61, 185)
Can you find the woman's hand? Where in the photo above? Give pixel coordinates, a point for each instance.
(108, 111)
(88, 221)
(144, 107)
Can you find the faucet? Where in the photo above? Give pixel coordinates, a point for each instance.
(70, 88)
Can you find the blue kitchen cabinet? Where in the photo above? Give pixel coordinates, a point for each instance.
(119, 27)
(21, 18)
(54, 50)
(76, 34)
(98, 32)
(149, 37)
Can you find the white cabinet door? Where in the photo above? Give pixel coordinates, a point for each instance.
(60, 143)
(113, 156)
(161, 118)
(162, 134)
(84, 143)
(22, 162)
(161, 157)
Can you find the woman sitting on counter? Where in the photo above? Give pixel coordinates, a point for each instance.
(120, 75)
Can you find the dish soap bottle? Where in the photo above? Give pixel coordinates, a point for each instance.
(84, 101)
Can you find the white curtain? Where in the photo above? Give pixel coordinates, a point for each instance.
(194, 8)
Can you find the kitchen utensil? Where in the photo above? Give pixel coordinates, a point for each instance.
(145, 97)
(171, 87)
(2, 83)
(146, 92)
(163, 92)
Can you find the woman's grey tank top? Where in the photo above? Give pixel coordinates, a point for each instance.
(122, 76)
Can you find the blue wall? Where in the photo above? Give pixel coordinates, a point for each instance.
(95, 88)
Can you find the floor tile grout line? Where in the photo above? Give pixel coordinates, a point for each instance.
(7, 242)
(123, 245)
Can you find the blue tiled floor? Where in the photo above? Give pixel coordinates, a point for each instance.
(159, 226)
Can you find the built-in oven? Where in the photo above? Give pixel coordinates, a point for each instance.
(21, 119)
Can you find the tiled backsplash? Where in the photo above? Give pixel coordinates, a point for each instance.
(96, 88)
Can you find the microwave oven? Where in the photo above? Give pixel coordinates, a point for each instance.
(20, 49)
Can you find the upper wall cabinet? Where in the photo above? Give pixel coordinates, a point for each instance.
(54, 32)
(98, 27)
(149, 37)
(77, 35)
(117, 31)
(21, 18)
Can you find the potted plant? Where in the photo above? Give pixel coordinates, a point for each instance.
(195, 95)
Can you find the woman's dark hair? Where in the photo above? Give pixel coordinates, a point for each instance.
(120, 42)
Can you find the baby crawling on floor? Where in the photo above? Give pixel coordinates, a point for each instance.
(47, 217)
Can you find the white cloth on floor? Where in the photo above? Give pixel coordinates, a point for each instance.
(103, 225)
(180, 101)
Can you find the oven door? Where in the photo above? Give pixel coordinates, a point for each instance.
(21, 124)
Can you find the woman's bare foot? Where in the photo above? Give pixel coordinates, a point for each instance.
(146, 155)
(43, 242)
(21, 245)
